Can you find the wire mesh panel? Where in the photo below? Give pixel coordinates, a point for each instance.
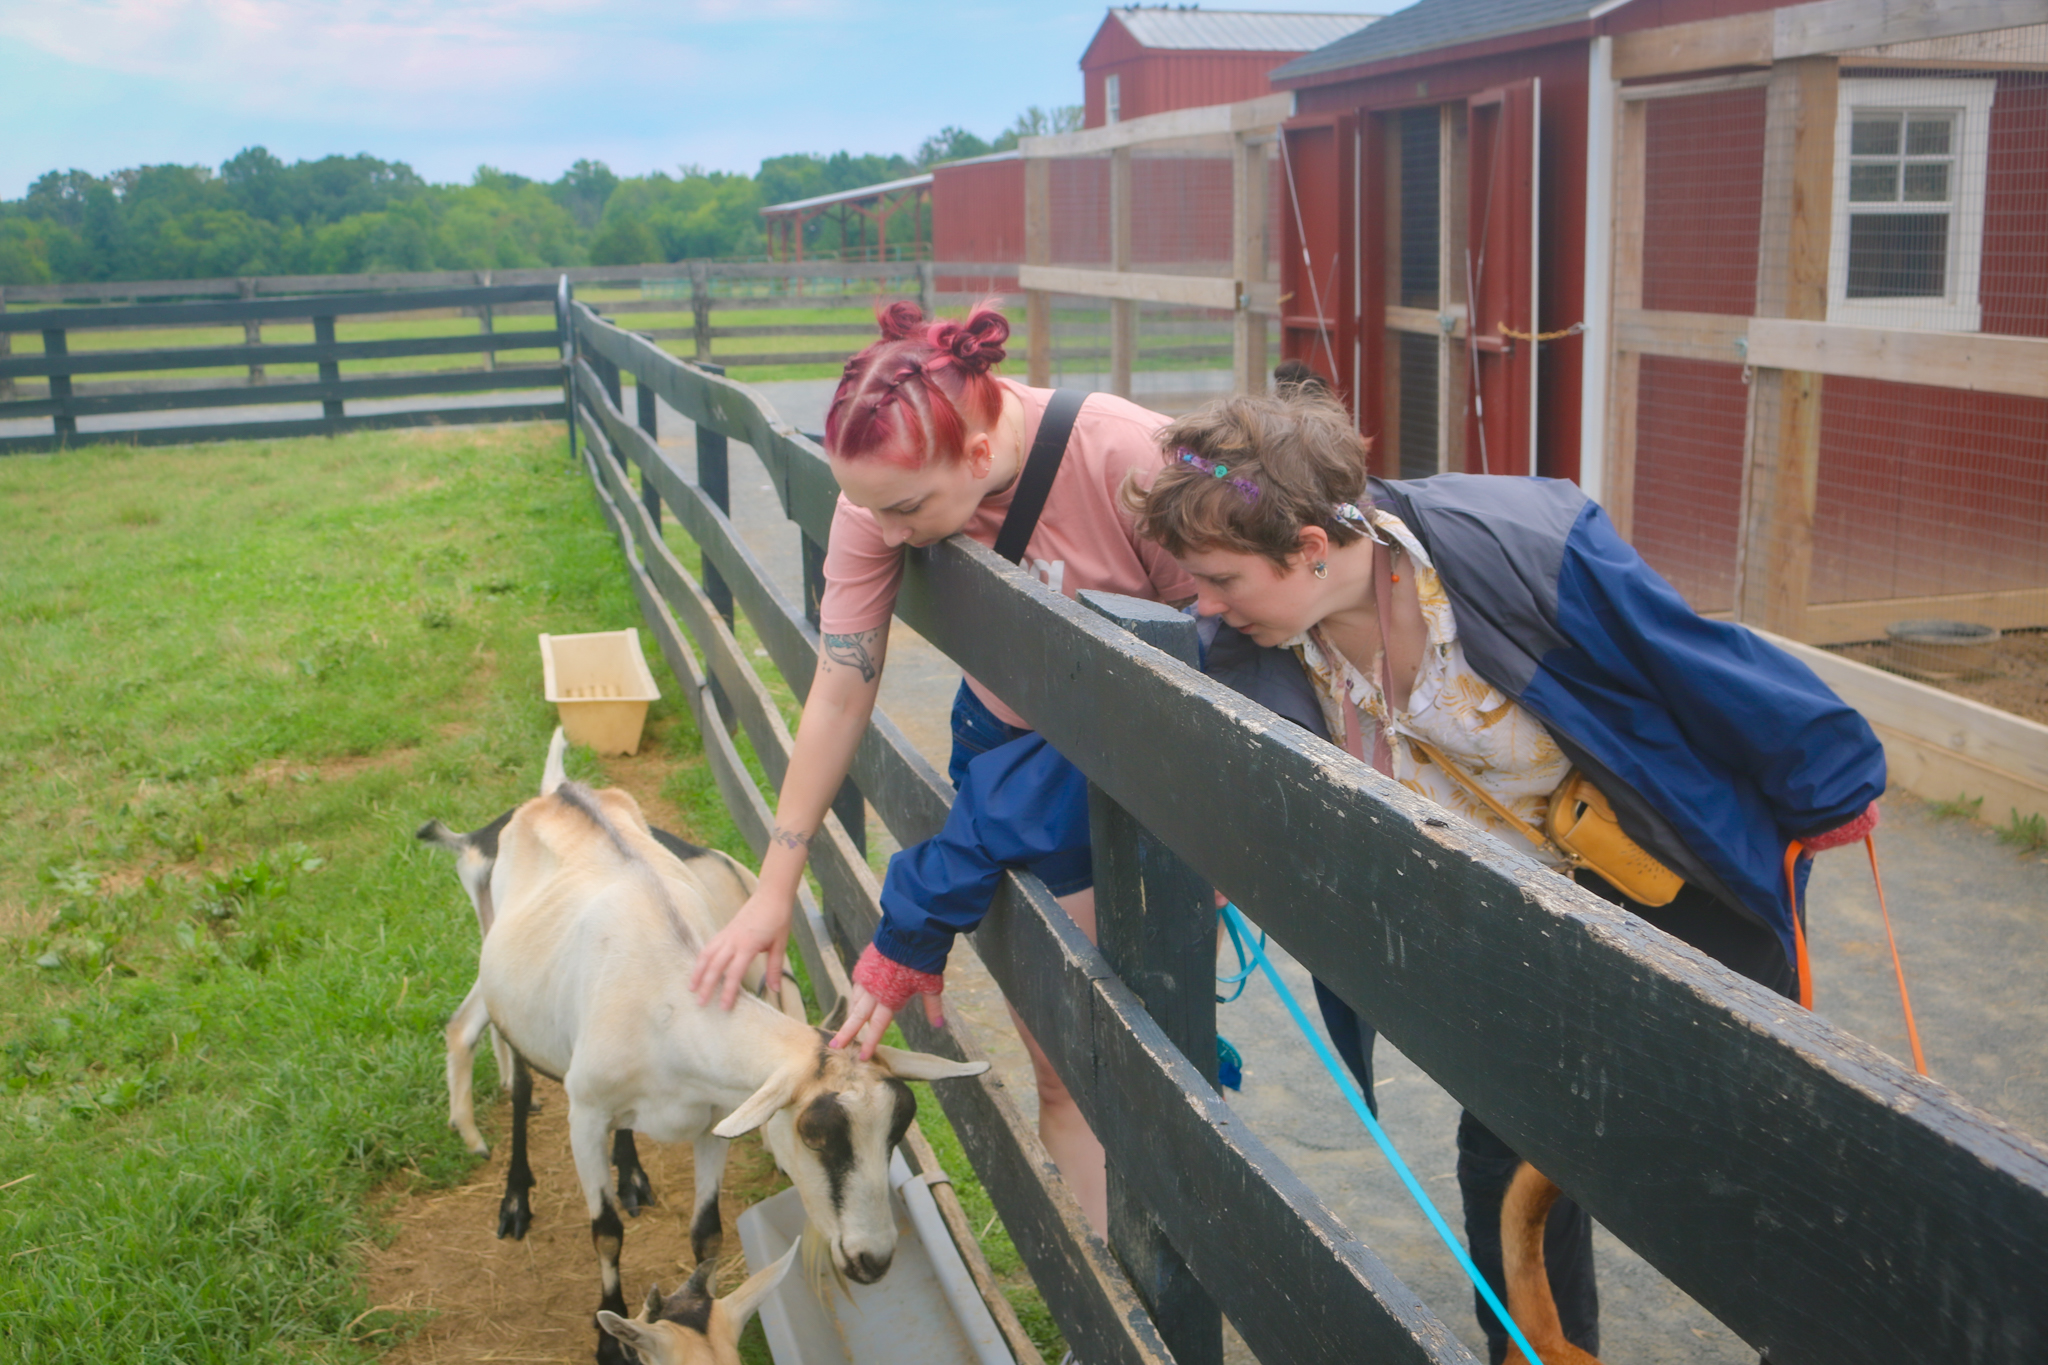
(1865, 224)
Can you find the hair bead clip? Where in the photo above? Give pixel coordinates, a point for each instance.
(1245, 487)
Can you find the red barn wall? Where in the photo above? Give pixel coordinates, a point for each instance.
(978, 212)
(1153, 81)
(1561, 262)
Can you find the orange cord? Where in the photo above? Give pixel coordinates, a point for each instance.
(1898, 968)
(1792, 853)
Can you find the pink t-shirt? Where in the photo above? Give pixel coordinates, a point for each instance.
(1084, 538)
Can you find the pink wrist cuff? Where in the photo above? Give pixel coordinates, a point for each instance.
(1851, 833)
(892, 983)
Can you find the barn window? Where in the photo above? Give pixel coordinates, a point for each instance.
(1113, 97)
(1908, 229)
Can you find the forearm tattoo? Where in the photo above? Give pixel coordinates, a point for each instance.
(790, 838)
(857, 652)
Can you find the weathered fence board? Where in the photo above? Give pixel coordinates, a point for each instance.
(291, 427)
(289, 391)
(274, 353)
(208, 313)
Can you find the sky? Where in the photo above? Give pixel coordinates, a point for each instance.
(526, 86)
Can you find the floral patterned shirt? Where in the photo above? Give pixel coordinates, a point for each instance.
(1500, 746)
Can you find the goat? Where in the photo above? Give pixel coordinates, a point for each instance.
(1523, 1212)
(726, 885)
(689, 1327)
(586, 974)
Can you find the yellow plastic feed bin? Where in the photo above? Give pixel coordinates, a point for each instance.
(600, 686)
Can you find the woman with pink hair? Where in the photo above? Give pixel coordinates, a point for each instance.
(927, 442)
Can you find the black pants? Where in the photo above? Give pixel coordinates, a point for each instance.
(1486, 1164)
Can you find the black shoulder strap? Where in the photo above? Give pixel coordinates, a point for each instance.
(1035, 482)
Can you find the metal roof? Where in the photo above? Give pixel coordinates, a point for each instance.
(851, 196)
(1430, 24)
(1235, 30)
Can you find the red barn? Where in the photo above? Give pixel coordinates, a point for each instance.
(1148, 61)
(1702, 255)
(1141, 61)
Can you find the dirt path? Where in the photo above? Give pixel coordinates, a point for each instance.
(532, 1300)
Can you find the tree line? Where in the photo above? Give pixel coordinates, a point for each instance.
(257, 215)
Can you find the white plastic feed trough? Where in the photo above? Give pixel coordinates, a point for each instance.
(600, 686)
(925, 1311)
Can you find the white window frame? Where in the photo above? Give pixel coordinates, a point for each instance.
(1958, 310)
(1112, 98)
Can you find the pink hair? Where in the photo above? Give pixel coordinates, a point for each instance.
(923, 389)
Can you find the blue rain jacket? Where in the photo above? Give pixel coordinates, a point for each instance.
(1715, 747)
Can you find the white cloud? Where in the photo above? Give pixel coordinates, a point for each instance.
(467, 61)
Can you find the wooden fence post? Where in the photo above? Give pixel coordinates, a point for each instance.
(1156, 924)
(1248, 261)
(650, 422)
(1038, 251)
(252, 329)
(66, 425)
(1625, 378)
(330, 369)
(487, 321)
(927, 288)
(714, 476)
(1123, 313)
(6, 350)
(1781, 468)
(565, 324)
(700, 310)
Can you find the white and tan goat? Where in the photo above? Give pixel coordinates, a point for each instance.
(689, 1327)
(585, 972)
(726, 885)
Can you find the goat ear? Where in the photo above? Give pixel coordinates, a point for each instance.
(923, 1066)
(761, 1105)
(742, 1302)
(555, 773)
(632, 1333)
(652, 1307)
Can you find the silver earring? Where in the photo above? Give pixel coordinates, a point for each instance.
(1322, 570)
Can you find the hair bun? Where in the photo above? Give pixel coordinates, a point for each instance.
(976, 344)
(901, 320)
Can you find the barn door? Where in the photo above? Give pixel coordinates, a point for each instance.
(1501, 259)
(1318, 256)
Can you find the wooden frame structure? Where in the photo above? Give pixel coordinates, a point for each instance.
(1761, 1158)
(1246, 133)
(1788, 347)
(870, 205)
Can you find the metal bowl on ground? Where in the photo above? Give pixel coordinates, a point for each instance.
(1948, 648)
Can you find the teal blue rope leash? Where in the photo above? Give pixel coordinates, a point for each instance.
(1235, 920)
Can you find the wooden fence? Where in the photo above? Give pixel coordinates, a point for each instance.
(1825, 1203)
(61, 366)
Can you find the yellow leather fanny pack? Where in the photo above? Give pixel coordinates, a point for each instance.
(1582, 827)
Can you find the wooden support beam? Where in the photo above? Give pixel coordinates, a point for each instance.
(1618, 491)
(1037, 255)
(1123, 310)
(1718, 337)
(1262, 115)
(1781, 466)
(1954, 360)
(1248, 179)
(1821, 29)
(1191, 291)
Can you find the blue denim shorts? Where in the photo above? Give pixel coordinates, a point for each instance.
(976, 730)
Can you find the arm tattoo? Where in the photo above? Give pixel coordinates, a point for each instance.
(790, 838)
(856, 651)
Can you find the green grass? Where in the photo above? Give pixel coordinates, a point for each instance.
(233, 679)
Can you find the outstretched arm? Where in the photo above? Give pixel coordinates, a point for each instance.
(835, 715)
